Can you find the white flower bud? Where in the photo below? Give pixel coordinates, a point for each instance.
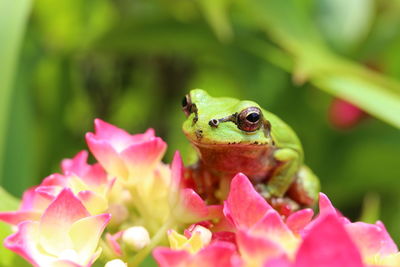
(136, 237)
(205, 234)
(116, 263)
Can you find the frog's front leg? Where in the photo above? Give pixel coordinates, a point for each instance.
(288, 161)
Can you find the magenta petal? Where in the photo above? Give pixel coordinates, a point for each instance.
(166, 257)
(244, 206)
(328, 244)
(299, 219)
(371, 239)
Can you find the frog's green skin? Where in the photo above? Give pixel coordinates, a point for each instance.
(271, 156)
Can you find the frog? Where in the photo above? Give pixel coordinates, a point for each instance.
(234, 136)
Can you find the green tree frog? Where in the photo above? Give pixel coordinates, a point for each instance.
(232, 136)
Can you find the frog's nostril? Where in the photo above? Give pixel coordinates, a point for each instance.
(213, 123)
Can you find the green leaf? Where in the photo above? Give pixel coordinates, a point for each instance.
(8, 202)
(13, 17)
(289, 23)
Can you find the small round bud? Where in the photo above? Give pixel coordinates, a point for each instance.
(136, 237)
(205, 234)
(116, 263)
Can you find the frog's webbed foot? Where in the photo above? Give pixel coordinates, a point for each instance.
(305, 188)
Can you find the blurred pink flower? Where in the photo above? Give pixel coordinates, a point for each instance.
(343, 114)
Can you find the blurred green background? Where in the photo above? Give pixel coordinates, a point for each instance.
(130, 62)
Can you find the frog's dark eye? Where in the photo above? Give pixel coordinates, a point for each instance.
(187, 105)
(249, 119)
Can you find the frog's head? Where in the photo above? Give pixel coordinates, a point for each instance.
(222, 120)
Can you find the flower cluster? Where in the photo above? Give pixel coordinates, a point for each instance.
(129, 194)
(254, 234)
(129, 202)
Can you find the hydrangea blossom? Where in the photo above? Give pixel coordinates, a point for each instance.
(263, 238)
(129, 184)
(129, 202)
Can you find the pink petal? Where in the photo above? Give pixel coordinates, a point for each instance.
(119, 138)
(32, 200)
(93, 202)
(107, 156)
(278, 262)
(215, 254)
(176, 179)
(325, 205)
(16, 217)
(371, 239)
(91, 174)
(77, 164)
(112, 241)
(57, 220)
(244, 206)
(271, 224)
(193, 208)
(142, 157)
(299, 219)
(85, 234)
(167, 257)
(329, 245)
(23, 242)
(255, 249)
(55, 179)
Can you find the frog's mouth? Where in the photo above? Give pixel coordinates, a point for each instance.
(199, 140)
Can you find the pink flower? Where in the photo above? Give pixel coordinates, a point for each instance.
(263, 238)
(65, 235)
(88, 182)
(127, 157)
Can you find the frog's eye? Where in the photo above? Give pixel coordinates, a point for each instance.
(249, 119)
(187, 105)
